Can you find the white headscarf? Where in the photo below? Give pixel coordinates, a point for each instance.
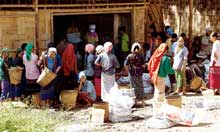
(134, 45)
(52, 49)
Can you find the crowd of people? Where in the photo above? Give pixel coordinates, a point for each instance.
(91, 69)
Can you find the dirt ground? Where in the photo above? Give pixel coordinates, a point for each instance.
(210, 122)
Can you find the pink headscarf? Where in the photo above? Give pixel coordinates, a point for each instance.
(108, 47)
(89, 48)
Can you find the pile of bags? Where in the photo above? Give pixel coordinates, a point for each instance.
(166, 116)
(147, 83)
(120, 106)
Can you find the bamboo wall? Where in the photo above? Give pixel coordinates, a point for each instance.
(16, 28)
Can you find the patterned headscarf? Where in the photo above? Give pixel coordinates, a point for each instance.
(89, 48)
(29, 48)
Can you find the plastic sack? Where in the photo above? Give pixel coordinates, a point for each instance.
(116, 99)
(128, 92)
(179, 115)
(156, 123)
(73, 128)
(117, 111)
(124, 80)
(210, 103)
(115, 119)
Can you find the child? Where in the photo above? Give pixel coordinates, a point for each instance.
(179, 65)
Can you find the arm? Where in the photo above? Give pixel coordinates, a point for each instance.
(126, 64)
(97, 61)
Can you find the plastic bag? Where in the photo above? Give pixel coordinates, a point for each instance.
(210, 103)
(179, 115)
(128, 92)
(115, 119)
(159, 123)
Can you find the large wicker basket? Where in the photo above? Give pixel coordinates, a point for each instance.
(15, 75)
(174, 100)
(46, 77)
(196, 83)
(68, 98)
(104, 106)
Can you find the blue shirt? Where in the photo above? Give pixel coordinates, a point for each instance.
(89, 87)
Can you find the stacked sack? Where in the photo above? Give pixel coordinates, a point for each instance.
(147, 83)
(120, 106)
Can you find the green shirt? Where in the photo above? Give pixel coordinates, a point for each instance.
(165, 67)
(124, 43)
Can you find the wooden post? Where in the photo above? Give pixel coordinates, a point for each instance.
(190, 22)
(35, 2)
(116, 26)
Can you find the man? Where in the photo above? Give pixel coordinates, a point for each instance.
(205, 42)
(125, 47)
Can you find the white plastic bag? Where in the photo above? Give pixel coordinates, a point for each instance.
(115, 119)
(179, 115)
(211, 103)
(159, 123)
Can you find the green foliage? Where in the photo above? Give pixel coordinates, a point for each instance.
(29, 120)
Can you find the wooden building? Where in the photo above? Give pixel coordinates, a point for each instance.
(42, 21)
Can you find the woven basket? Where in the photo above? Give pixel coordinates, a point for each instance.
(196, 83)
(46, 77)
(15, 75)
(68, 98)
(104, 106)
(174, 100)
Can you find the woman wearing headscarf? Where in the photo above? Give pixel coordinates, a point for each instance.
(53, 63)
(159, 67)
(134, 65)
(5, 63)
(30, 60)
(69, 67)
(97, 72)
(87, 91)
(108, 62)
(179, 65)
(89, 61)
(18, 62)
(92, 36)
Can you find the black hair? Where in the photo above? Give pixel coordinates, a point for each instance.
(23, 46)
(162, 36)
(153, 27)
(183, 35)
(51, 44)
(214, 34)
(146, 46)
(122, 28)
(174, 35)
(167, 27)
(154, 34)
(136, 47)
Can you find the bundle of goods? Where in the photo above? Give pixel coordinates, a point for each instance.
(120, 106)
(147, 83)
(123, 80)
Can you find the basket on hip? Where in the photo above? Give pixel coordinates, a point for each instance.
(15, 75)
(46, 77)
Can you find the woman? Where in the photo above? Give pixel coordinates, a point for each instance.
(215, 62)
(108, 62)
(32, 72)
(159, 67)
(18, 61)
(53, 63)
(134, 64)
(97, 72)
(69, 67)
(87, 90)
(179, 65)
(5, 63)
(89, 61)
